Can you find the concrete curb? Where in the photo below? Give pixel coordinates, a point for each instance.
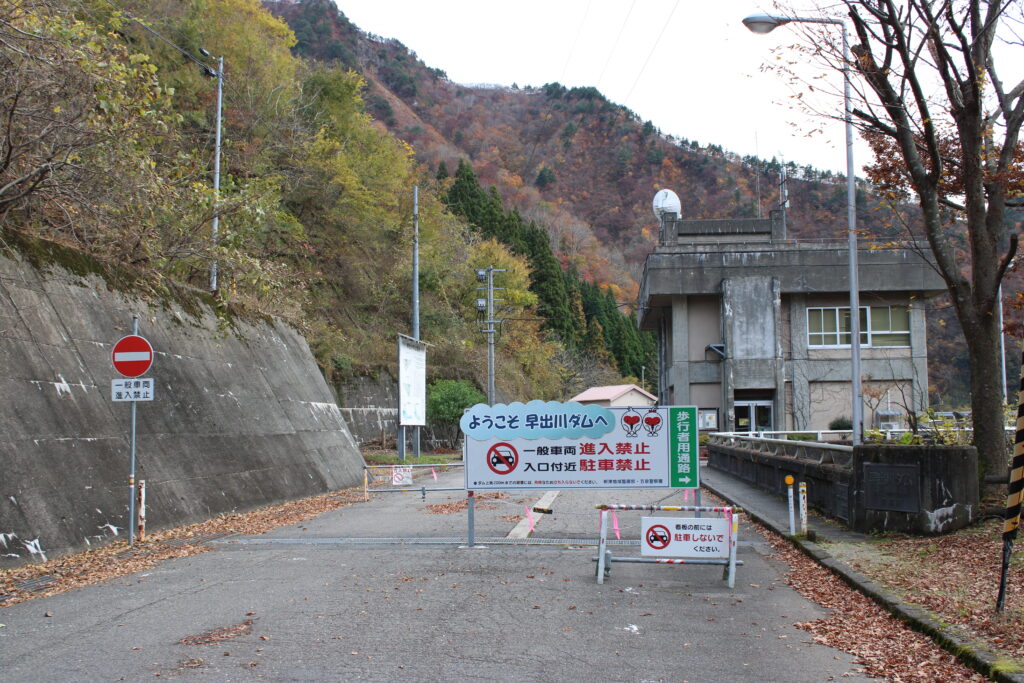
(966, 651)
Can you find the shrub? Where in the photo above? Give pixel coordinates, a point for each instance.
(447, 400)
(841, 423)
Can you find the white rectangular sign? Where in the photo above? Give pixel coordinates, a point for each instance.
(412, 382)
(138, 389)
(545, 445)
(401, 476)
(704, 538)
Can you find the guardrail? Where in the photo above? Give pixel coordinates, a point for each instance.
(819, 435)
(813, 451)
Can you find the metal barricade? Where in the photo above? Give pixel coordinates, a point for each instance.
(605, 558)
(422, 490)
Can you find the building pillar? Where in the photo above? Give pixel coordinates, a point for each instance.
(680, 350)
(918, 355)
(779, 401)
(799, 364)
(728, 364)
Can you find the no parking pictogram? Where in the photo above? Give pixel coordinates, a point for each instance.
(502, 458)
(658, 537)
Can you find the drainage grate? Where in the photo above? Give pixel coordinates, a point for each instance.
(36, 585)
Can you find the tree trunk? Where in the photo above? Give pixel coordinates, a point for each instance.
(987, 396)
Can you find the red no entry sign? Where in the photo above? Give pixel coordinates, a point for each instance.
(132, 355)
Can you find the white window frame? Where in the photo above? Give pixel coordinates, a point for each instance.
(866, 331)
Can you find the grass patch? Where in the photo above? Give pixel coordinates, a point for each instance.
(391, 458)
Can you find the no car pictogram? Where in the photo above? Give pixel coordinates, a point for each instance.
(502, 458)
(658, 537)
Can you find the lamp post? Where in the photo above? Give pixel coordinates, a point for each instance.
(219, 75)
(766, 23)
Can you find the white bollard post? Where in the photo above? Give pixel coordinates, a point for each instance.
(142, 510)
(792, 521)
(602, 546)
(803, 508)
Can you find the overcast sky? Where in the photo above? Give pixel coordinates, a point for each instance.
(690, 67)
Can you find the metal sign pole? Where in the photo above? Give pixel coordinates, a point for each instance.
(131, 472)
(470, 509)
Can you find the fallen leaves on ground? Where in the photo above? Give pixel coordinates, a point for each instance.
(462, 504)
(883, 645)
(218, 635)
(955, 578)
(118, 559)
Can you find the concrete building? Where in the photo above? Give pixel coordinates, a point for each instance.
(616, 396)
(753, 328)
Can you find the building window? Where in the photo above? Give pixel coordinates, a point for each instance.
(890, 326)
(879, 326)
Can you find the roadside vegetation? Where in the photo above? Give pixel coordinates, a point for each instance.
(110, 131)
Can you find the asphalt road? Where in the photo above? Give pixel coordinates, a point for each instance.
(325, 608)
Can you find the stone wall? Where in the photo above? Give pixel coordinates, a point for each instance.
(241, 418)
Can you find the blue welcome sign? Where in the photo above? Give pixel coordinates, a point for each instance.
(537, 420)
(551, 445)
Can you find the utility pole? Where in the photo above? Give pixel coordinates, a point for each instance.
(416, 291)
(485, 307)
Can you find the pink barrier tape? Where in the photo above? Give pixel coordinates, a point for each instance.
(665, 560)
(433, 472)
(615, 526)
(529, 516)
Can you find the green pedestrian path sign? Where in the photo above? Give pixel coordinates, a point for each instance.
(683, 447)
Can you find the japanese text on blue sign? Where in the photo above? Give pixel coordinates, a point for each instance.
(537, 420)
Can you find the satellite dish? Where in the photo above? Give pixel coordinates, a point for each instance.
(666, 201)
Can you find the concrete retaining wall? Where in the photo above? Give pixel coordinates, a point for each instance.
(908, 489)
(242, 416)
(370, 408)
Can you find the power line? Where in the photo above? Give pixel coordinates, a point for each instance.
(152, 31)
(664, 26)
(575, 41)
(611, 53)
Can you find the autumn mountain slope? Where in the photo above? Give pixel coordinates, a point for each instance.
(586, 169)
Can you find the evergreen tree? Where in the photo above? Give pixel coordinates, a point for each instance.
(545, 177)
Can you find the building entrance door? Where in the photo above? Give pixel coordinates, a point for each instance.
(754, 416)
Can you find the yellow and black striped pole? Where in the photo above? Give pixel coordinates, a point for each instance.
(1014, 496)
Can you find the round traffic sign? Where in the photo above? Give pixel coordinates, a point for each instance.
(132, 355)
(502, 458)
(658, 537)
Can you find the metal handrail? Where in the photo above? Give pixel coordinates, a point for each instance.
(821, 453)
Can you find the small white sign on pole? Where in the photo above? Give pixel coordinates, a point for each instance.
(401, 476)
(703, 538)
(412, 382)
(138, 389)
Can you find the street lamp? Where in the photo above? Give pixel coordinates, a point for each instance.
(766, 23)
(219, 75)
